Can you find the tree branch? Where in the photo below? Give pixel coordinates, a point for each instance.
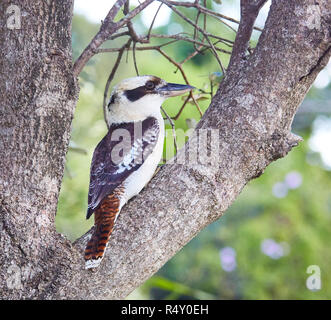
(249, 10)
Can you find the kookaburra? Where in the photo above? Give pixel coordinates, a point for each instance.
(126, 158)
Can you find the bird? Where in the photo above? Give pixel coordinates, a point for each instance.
(126, 158)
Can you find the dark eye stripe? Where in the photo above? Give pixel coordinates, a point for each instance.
(135, 94)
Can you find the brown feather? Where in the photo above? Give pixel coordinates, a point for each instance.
(104, 221)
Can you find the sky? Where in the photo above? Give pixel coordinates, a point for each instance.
(96, 11)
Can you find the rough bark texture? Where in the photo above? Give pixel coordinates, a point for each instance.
(253, 111)
(38, 96)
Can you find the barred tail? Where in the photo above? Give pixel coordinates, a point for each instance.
(104, 221)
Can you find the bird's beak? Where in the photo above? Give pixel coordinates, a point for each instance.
(174, 89)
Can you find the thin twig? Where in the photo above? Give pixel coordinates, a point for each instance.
(111, 76)
(200, 29)
(192, 55)
(142, 48)
(179, 37)
(172, 127)
(183, 75)
(195, 31)
(152, 24)
(134, 57)
(181, 108)
(134, 36)
(207, 11)
(196, 103)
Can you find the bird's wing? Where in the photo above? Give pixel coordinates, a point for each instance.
(121, 152)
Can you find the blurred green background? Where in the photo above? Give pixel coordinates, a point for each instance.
(279, 225)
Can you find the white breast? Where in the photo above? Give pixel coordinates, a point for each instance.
(138, 179)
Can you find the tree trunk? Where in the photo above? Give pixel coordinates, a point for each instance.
(252, 114)
(38, 96)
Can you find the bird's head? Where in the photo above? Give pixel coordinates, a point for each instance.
(140, 97)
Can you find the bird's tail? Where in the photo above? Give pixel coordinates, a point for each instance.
(104, 221)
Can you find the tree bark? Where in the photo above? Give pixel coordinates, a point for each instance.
(38, 96)
(252, 113)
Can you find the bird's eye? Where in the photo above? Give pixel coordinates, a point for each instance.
(150, 85)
